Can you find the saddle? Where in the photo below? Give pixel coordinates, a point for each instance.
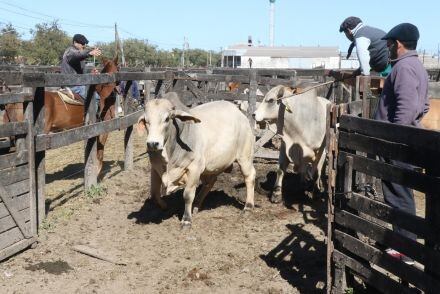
(68, 97)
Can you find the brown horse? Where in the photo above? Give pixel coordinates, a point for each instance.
(60, 115)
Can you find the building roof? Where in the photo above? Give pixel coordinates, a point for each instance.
(292, 52)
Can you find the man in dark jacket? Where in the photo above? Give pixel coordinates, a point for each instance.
(74, 60)
(404, 100)
(371, 50)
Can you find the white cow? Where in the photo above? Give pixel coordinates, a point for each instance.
(192, 145)
(301, 122)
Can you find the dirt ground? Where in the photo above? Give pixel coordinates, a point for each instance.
(276, 248)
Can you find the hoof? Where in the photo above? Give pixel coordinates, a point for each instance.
(185, 225)
(277, 196)
(248, 207)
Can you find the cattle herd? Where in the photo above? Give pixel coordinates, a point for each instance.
(188, 146)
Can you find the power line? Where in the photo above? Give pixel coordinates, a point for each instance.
(69, 21)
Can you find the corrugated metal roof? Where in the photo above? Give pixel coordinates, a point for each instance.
(298, 52)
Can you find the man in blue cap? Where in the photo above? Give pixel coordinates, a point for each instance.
(404, 100)
(74, 60)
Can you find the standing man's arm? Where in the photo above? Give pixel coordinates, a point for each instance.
(363, 54)
(407, 100)
(79, 55)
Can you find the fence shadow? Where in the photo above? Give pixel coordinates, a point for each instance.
(300, 259)
(151, 213)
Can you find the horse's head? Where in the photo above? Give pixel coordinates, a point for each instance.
(109, 66)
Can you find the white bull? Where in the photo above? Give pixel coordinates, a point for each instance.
(188, 146)
(301, 122)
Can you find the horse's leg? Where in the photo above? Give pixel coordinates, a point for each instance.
(100, 154)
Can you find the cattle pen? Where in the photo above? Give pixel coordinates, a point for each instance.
(358, 223)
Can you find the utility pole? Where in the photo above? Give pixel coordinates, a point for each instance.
(118, 43)
(185, 47)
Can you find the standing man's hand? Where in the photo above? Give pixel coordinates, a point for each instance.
(95, 52)
(94, 71)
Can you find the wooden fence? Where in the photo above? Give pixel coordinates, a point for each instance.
(22, 179)
(360, 222)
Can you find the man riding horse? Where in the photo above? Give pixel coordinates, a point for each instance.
(74, 60)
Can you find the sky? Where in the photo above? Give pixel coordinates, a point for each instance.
(213, 25)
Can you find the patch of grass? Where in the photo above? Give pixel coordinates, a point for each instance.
(349, 291)
(96, 192)
(46, 225)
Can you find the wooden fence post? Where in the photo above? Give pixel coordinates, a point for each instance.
(40, 157)
(432, 208)
(128, 132)
(30, 146)
(147, 88)
(252, 99)
(90, 146)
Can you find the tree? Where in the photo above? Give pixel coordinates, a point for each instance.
(47, 45)
(10, 44)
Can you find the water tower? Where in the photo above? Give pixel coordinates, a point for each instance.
(271, 22)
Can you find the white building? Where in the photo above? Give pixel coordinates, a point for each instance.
(241, 56)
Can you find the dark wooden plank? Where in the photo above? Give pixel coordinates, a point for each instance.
(14, 175)
(379, 210)
(17, 247)
(13, 159)
(30, 145)
(55, 80)
(18, 188)
(91, 143)
(13, 211)
(373, 255)
(137, 76)
(432, 215)
(391, 173)
(10, 237)
(371, 276)
(6, 98)
(413, 137)
(252, 96)
(128, 135)
(265, 137)
(40, 156)
(20, 202)
(13, 129)
(387, 237)
(56, 140)
(7, 222)
(260, 71)
(266, 153)
(11, 78)
(390, 150)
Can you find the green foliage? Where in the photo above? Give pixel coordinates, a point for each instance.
(49, 41)
(47, 45)
(10, 44)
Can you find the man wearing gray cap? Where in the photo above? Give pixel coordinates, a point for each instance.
(404, 100)
(74, 60)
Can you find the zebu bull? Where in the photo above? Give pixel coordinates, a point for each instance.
(188, 146)
(301, 122)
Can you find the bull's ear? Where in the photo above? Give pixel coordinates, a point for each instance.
(141, 126)
(184, 116)
(280, 93)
